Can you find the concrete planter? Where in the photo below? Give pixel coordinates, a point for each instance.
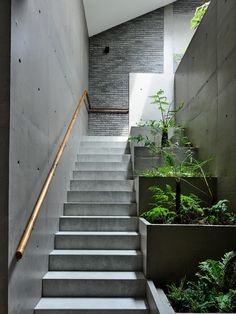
(159, 301)
(172, 251)
(146, 132)
(195, 185)
(143, 159)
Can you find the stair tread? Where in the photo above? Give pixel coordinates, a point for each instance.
(105, 155)
(97, 233)
(101, 203)
(91, 303)
(103, 191)
(104, 180)
(99, 170)
(101, 217)
(88, 138)
(82, 275)
(96, 252)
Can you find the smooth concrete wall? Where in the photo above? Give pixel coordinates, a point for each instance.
(206, 81)
(172, 252)
(49, 71)
(5, 28)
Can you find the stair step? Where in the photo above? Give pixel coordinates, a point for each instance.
(91, 306)
(104, 185)
(94, 284)
(100, 209)
(98, 223)
(104, 150)
(102, 175)
(106, 144)
(97, 240)
(103, 158)
(100, 196)
(95, 260)
(105, 138)
(103, 166)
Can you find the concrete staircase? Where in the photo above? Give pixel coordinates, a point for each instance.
(96, 266)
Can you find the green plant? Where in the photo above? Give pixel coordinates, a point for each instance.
(160, 215)
(164, 210)
(189, 167)
(159, 128)
(167, 114)
(150, 143)
(190, 210)
(198, 16)
(219, 212)
(214, 289)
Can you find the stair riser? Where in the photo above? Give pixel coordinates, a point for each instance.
(115, 139)
(98, 224)
(100, 166)
(101, 242)
(93, 288)
(104, 185)
(103, 158)
(76, 196)
(102, 175)
(100, 210)
(106, 144)
(95, 262)
(92, 311)
(104, 151)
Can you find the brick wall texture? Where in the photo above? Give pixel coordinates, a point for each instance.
(136, 46)
(187, 6)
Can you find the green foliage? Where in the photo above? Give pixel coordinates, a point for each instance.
(189, 167)
(214, 289)
(190, 212)
(160, 215)
(198, 16)
(165, 107)
(158, 128)
(219, 212)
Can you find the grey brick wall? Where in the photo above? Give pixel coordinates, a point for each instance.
(108, 124)
(187, 6)
(135, 46)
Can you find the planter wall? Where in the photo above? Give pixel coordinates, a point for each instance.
(161, 303)
(172, 251)
(144, 196)
(145, 132)
(143, 159)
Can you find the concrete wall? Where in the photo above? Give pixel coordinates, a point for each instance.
(49, 71)
(147, 44)
(206, 82)
(5, 28)
(141, 87)
(172, 252)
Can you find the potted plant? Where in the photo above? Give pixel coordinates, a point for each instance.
(213, 289)
(151, 137)
(187, 175)
(173, 243)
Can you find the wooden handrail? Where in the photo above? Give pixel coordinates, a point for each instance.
(92, 109)
(36, 210)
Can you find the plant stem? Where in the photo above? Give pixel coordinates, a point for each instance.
(164, 138)
(178, 197)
